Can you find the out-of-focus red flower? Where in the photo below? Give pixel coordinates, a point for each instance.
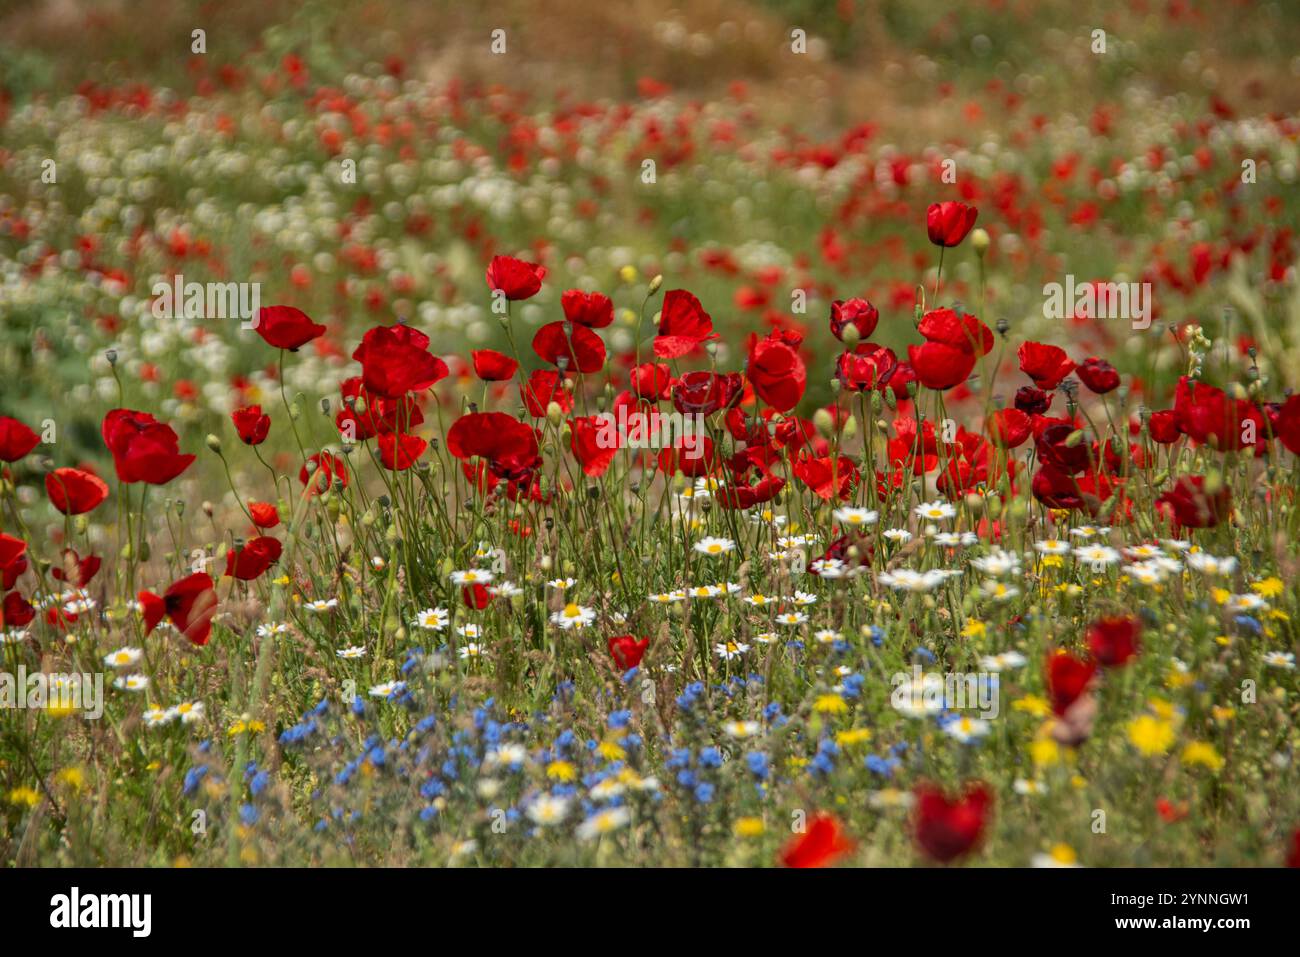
(493, 366)
(822, 843)
(254, 558)
(476, 596)
(1293, 853)
(251, 424)
(1009, 427)
(322, 470)
(1055, 451)
(1098, 375)
(143, 449)
(1210, 416)
(859, 313)
(510, 446)
(515, 278)
(286, 327)
(16, 439)
(74, 492)
(683, 325)
(1047, 365)
(12, 552)
(627, 650)
(1189, 505)
(398, 451)
(16, 611)
(829, 478)
(1287, 424)
(948, 223)
(75, 570)
(776, 371)
(1115, 641)
(1163, 427)
(545, 386)
(594, 310)
(594, 442)
(948, 828)
(190, 603)
(1068, 678)
(580, 349)
(395, 360)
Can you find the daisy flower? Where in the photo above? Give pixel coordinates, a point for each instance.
(1098, 556)
(899, 536)
(351, 652)
(433, 619)
(826, 636)
(966, 729)
(714, 546)
(387, 689)
(603, 822)
(1003, 661)
(505, 590)
(1280, 659)
(741, 729)
(998, 563)
(759, 601)
(667, 597)
(156, 717)
(472, 576)
(547, 810)
(934, 511)
(705, 591)
(123, 657)
(791, 618)
(802, 599)
(559, 584)
(271, 629)
(730, 650)
(190, 712)
(1052, 546)
(855, 517)
(1208, 564)
(999, 591)
(470, 630)
(573, 616)
(470, 650)
(321, 605)
(131, 683)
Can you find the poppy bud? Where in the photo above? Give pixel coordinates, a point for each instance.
(213, 443)
(655, 283)
(554, 414)
(111, 356)
(979, 240)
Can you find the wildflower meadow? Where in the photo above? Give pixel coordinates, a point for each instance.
(754, 434)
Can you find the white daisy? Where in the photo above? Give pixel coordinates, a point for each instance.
(856, 517)
(433, 619)
(714, 546)
(353, 651)
(730, 650)
(123, 658)
(603, 822)
(573, 616)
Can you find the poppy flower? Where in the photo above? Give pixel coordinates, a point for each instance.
(594, 442)
(938, 366)
(683, 325)
(829, 478)
(959, 330)
(1210, 416)
(16, 439)
(251, 424)
(1068, 678)
(580, 349)
(75, 570)
(1114, 641)
(1163, 427)
(692, 455)
(395, 360)
(514, 277)
(859, 313)
(254, 558)
(493, 366)
(1032, 401)
(1055, 451)
(1009, 427)
(545, 386)
(323, 469)
(476, 596)
(652, 381)
(1293, 855)
(143, 449)
(741, 493)
(286, 327)
(627, 650)
(1047, 365)
(704, 393)
(867, 368)
(822, 843)
(1287, 424)
(75, 492)
(1098, 375)
(594, 310)
(1189, 505)
(505, 442)
(948, 828)
(265, 515)
(948, 223)
(364, 415)
(776, 371)
(16, 611)
(13, 561)
(190, 604)
(399, 451)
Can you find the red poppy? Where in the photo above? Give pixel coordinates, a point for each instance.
(190, 603)
(505, 442)
(286, 327)
(16, 440)
(74, 492)
(692, 455)
(1068, 678)
(959, 330)
(323, 469)
(628, 650)
(1210, 416)
(776, 371)
(545, 386)
(744, 494)
(493, 366)
(143, 449)
(938, 366)
(594, 310)
(858, 313)
(1189, 505)
(476, 596)
(514, 277)
(1293, 855)
(821, 844)
(829, 478)
(265, 515)
(580, 349)
(1032, 401)
(868, 367)
(705, 393)
(1009, 427)
(1047, 365)
(395, 360)
(75, 570)
(399, 451)
(652, 381)
(948, 828)
(254, 558)
(251, 424)
(1098, 375)
(1287, 423)
(683, 325)
(1115, 641)
(1163, 427)
(594, 441)
(949, 222)
(364, 415)
(13, 561)
(1053, 443)
(16, 611)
